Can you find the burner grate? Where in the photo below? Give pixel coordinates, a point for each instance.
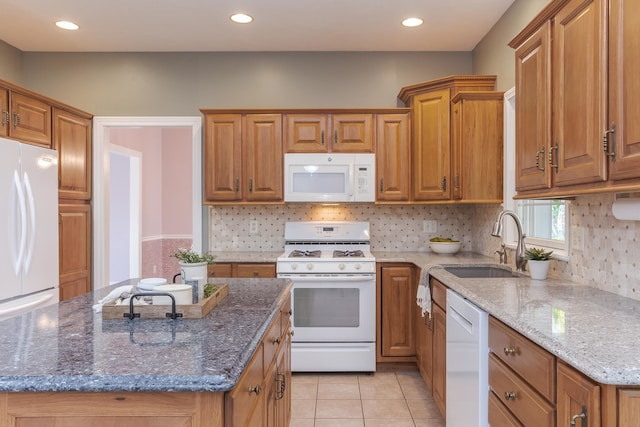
(304, 254)
(347, 253)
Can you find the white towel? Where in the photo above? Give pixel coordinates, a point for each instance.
(423, 296)
(111, 296)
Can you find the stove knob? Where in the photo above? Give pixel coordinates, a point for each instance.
(341, 266)
(294, 266)
(358, 266)
(309, 266)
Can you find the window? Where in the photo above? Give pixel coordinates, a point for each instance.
(545, 222)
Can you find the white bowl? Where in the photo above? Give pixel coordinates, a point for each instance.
(445, 247)
(182, 294)
(150, 283)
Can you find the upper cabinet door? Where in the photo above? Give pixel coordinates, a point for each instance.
(431, 146)
(223, 157)
(72, 141)
(352, 133)
(393, 159)
(624, 88)
(533, 111)
(306, 133)
(30, 120)
(580, 93)
(5, 118)
(263, 157)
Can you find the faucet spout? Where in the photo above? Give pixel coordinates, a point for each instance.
(521, 249)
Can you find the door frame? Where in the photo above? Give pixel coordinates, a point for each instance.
(101, 138)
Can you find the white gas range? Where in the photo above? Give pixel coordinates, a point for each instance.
(333, 295)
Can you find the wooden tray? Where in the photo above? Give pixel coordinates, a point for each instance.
(111, 311)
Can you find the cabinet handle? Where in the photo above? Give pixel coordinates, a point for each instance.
(322, 137)
(510, 395)
(282, 379)
(582, 415)
(250, 185)
(456, 181)
(381, 185)
(16, 120)
(255, 274)
(444, 183)
(335, 136)
(540, 154)
(276, 341)
(610, 146)
(237, 184)
(5, 118)
(510, 351)
(254, 389)
(288, 313)
(555, 147)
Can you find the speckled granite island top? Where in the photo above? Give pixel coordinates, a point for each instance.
(68, 347)
(593, 330)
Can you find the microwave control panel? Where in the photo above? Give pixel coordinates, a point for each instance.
(365, 173)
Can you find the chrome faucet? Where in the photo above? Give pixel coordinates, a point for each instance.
(521, 260)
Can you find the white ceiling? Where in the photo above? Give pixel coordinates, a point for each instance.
(279, 25)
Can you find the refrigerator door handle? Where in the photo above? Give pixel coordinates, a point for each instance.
(32, 222)
(23, 221)
(21, 307)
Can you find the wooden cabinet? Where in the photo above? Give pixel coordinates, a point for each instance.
(72, 141)
(522, 377)
(243, 158)
(574, 133)
(29, 119)
(5, 117)
(432, 132)
(424, 347)
(397, 312)
(74, 245)
(246, 270)
(477, 147)
(578, 399)
(439, 319)
(393, 157)
(326, 132)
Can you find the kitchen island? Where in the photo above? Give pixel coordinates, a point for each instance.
(63, 365)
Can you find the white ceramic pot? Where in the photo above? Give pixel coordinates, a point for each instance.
(181, 293)
(196, 271)
(538, 269)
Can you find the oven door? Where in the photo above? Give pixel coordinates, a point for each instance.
(334, 308)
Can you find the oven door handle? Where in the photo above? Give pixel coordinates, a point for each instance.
(330, 278)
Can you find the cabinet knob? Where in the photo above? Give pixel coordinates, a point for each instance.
(255, 389)
(276, 341)
(292, 332)
(255, 274)
(510, 351)
(510, 395)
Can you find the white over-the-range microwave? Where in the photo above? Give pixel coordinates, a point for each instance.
(329, 177)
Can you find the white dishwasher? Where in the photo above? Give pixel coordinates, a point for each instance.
(467, 397)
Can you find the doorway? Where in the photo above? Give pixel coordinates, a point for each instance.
(121, 233)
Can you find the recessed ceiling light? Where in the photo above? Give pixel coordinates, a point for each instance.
(67, 25)
(412, 22)
(241, 18)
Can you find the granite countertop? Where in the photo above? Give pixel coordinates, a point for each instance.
(68, 347)
(592, 330)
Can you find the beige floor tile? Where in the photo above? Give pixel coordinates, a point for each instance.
(378, 377)
(304, 378)
(381, 391)
(339, 422)
(423, 408)
(302, 390)
(338, 391)
(428, 422)
(408, 376)
(303, 408)
(386, 422)
(339, 409)
(302, 422)
(415, 390)
(347, 378)
(385, 408)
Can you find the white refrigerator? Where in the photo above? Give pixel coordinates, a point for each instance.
(28, 227)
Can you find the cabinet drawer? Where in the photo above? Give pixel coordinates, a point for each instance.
(256, 270)
(499, 415)
(272, 341)
(516, 395)
(530, 361)
(241, 400)
(439, 293)
(219, 270)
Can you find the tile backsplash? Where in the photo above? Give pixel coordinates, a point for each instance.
(609, 259)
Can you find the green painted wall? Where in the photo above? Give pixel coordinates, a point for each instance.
(10, 63)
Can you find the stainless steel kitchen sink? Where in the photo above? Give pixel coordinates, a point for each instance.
(478, 272)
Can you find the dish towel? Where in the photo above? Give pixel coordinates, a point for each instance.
(114, 295)
(423, 296)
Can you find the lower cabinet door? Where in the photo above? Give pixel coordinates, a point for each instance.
(578, 399)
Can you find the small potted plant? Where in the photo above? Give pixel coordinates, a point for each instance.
(538, 262)
(193, 266)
